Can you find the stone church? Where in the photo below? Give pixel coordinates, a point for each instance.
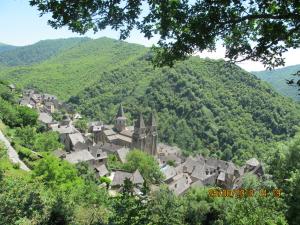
(141, 136)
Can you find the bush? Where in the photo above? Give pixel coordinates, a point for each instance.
(16, 166)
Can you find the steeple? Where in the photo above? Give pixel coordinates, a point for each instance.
(151, 121)
(140, 124)
(120, 123)
(139, 133)
(120, 111)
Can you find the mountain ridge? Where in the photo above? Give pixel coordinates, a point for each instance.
(277, 79)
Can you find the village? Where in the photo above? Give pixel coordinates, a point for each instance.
(101, 140)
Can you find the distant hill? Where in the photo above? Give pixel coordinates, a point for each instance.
(277, 78)
(75, 68)
(204, 106)
(5, 47)
(31, 54)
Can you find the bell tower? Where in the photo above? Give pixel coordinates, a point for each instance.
(139, 134)
(152, 135)
(120, 122)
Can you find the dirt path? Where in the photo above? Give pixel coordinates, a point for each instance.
(12, 154)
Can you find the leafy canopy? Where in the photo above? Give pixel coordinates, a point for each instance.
(252, 29)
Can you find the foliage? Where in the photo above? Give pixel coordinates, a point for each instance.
(47, 142)
(25, 136)
(203, 209)
(22, 201)
(37, 52)
(71, 69)
(285, 167)
(82, 125)
(56, 173)
(145, 163)
(165, 208)
(86, 172)
(105, 180)
(113, 162)
(251, 29)
(17, 116)
(41, 142)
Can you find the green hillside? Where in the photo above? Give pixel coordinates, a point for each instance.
(202, 105)
(277, 78)
(38, 52)
(76, 68)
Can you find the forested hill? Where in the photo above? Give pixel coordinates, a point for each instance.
(277, 78)
(70, 70)
(31, 54)
(202, 105)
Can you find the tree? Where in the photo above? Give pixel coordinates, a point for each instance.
(145, 163)
(165, 208)
(28, 116)
(57, 174)
(25, 136)
(251, 29)
(47, 142)
(81, 125)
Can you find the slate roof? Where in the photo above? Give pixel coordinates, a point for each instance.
(216, 163)
(109, 132)
(199, 172)
(221, 176)
(124, 138)
(168, 171)
(110, 148)
(167, 149)
(112, 137)
(137, 178)
(25, 102)
(80, 156)
(80, 146)
(253, 162)
(127, 133)
(63, 129)
(189, 165)
(96, 150)
(198, 183)
(102, 170)
(181, 185)
(75, 138)
(59, 153)
(171, 157)
(210, 180)
(45, 118)
(120, 177)
(122, 153)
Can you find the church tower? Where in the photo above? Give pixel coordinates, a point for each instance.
(152, 135)
(120, 122)
(139, 134)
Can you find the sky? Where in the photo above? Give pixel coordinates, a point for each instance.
(20, 24)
